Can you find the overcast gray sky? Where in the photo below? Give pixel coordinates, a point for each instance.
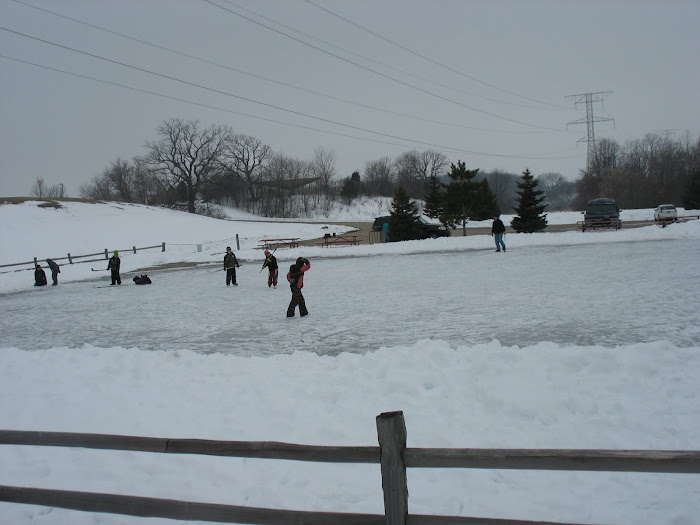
(485, 81)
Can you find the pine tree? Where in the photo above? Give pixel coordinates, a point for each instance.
(530, 217)
(403, 223)
(434, 200)
(465, 198)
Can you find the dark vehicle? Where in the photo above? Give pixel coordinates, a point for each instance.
(601, 213)
(430, 230)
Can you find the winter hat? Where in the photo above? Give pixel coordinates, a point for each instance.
(300, 261)
(267, 252)
(116, 253)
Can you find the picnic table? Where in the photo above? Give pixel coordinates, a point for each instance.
(276, 243)
(333, 240)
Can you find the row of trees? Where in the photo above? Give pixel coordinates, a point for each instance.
(465, 198)
(189, 166)
(643, 173)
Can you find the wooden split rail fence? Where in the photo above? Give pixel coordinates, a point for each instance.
(391, 454)
(72, 259)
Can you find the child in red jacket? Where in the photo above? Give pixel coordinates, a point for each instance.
(296, 283)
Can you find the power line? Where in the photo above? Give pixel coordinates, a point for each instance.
(210, 2)
(266, 79)
(432, 61)
(388, 66)
(437, 146)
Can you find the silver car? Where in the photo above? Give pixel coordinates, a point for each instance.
(665, 212)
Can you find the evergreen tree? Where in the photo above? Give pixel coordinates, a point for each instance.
(530, 217)
(691, 197)
(434, 200)
(466, 198)
(403, 223)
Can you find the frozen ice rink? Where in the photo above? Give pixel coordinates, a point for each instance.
(601, 294)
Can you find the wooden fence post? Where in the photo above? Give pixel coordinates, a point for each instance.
(70, 259)
(134, 249)
(238, 244)
(106, 253)
(35, 262)
(391, 431)
(163, 247)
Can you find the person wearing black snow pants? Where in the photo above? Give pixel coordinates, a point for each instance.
(230, 265)
(296, 283)
(113, 265)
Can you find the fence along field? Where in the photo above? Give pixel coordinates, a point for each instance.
(392, 455)
(72, 258)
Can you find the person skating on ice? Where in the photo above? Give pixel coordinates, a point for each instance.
(272, 268)
(296, 283)
(114, 265)
(55, 270)
(498, 230)
(230, 265)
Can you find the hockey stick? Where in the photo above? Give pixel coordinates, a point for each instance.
(106, 269)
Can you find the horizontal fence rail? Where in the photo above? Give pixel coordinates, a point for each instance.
(666, 461)
(239, 449)
(392, 454)
(104, 255)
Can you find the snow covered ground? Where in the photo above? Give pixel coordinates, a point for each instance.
(567, 340)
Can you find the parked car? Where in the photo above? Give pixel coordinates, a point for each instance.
(429, 229)
(601, 213)
(665, 212)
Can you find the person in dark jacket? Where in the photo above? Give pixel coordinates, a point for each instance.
(55, 270)
(113, 265)
(296, 283)
(230, 265)
(272, 269)
(497, 230)
(39, 276)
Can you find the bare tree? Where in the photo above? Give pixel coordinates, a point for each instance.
(55, 191)
(414, 169)
(559, 192)
(379, 177)
(244, 158)
(503, 185)
(38, 188)
(98, 189)
(408, 174)
(323, 167)
(186, 156)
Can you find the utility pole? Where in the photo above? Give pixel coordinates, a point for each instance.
(589, 99)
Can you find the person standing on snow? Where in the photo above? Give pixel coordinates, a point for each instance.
(114, 265)
(272, 269)
(230, 265)
(497, 231)
(55, 270)
(296, 283)
(39, 276)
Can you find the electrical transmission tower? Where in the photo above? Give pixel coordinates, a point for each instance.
(589, 99)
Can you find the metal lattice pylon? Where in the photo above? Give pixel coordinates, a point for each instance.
(589, 99)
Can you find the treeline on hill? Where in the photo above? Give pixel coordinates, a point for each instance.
(191, 167)
(644, 173)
